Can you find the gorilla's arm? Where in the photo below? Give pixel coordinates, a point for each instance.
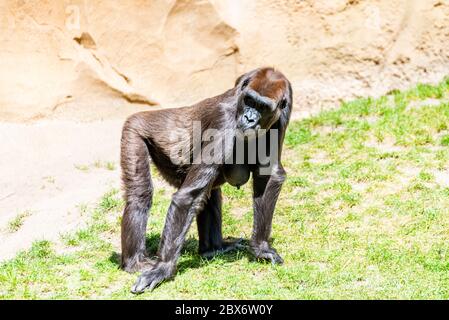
(186, 203)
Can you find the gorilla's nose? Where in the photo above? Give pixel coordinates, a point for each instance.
(249, 120)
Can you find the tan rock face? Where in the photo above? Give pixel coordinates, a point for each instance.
(101, 59)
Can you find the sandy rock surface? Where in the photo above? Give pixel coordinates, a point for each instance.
(93, 59)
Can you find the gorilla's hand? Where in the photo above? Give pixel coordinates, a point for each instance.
(150, 278)
(265, 252)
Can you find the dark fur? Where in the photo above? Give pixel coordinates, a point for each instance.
(145, 136)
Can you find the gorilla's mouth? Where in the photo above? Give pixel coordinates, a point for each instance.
(250, 132)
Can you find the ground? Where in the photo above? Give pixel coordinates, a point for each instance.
(363, 215)
(48, 169)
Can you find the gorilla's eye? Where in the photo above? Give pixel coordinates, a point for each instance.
(245, 83)
(250, 102)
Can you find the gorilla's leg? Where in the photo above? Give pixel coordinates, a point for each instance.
(138, 196)
(266, 192)
(209, 228)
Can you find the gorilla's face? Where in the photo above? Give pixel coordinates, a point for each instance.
(263, 96)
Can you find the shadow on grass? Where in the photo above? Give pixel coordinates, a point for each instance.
(190, 248)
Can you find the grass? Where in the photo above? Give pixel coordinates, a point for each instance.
(109, 165)
(49, 179)
(82, 167)
(17, 222)
(98, 164)
(363, 215)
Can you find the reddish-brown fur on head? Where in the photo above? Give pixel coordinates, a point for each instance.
(269, 83)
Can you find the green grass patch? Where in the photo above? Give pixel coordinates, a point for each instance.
(363, 214)
(16, 223)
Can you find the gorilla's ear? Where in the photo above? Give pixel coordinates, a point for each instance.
(283, 103)
(287, 99)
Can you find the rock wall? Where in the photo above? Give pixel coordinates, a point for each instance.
(90, 60)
